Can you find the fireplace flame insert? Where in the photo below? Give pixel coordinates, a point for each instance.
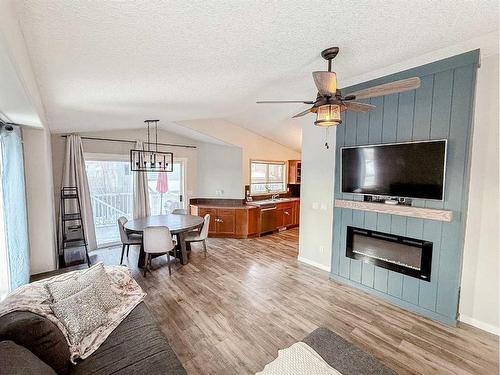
(409, 256)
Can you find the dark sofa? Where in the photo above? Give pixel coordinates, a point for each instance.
(31, 344)
(344, 356)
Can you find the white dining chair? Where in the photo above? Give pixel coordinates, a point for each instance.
(127, 238)
(201, 235)
(157, 240)
(180, 211)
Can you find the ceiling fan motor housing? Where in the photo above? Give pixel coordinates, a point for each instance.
(330, 53)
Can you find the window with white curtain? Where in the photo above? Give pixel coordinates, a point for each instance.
(4, 259)
(14, 246)
(267, 177)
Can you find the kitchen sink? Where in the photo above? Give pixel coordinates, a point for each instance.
(270, 201)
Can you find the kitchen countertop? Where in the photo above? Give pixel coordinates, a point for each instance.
(215, 205)
(270, 201)
(248, 205)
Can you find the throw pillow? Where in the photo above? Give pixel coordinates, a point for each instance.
(95, 276)
(61, 289)
(98, 277)
(80, 313)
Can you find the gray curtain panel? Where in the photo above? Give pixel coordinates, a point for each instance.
(75, 174)
(141, 191)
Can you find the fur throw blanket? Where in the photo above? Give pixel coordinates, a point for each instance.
(35, 298)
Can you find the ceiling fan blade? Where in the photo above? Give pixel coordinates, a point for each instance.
(326, 82)
(388, 88)
(359, 107)
(284, 101)
(303, 113)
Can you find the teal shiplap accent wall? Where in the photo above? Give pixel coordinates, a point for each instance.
(442, 108)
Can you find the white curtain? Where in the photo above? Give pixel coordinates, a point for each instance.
(14, 223)
(75, 175)
(141, 191)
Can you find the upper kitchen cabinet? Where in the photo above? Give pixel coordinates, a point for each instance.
(294, 171)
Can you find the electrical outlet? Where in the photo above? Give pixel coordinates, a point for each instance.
(321, 249)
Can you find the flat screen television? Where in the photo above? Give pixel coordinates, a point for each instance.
(403, 170)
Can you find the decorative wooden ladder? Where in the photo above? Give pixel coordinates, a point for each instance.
(72, 233)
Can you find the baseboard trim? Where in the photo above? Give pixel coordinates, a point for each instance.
(313, 263)
(479, 324)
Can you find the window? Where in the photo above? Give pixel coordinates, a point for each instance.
(111, 194)
(4, 256)
(267, 177)
(166, 189)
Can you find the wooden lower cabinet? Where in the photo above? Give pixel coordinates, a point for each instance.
(231, 222)
(288, 217)
(226, 222)
(212, 228)
(244, 221)
(287, 214)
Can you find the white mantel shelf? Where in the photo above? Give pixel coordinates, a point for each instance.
(419, 212)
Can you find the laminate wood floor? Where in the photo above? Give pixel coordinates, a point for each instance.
(231, 312)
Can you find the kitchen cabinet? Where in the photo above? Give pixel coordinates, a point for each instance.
(212, 228)
(233, 222)
(286, 214)
(243, 221)
(294, 171)
(225, 221)
(288, 218)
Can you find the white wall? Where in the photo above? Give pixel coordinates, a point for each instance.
(479, 302)
(219, 172)
(20, 99)
(39, 199)
(316, 197)
(253, 146)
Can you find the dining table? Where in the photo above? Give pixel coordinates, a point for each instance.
(178, 224)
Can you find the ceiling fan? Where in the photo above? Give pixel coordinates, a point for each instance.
(330, 103)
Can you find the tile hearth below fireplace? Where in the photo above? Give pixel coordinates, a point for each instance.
(405, 255)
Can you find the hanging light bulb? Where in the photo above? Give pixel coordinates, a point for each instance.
(328, 115)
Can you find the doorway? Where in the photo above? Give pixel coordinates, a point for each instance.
(111, 192)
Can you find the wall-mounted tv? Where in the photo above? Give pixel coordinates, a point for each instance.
(403, 170)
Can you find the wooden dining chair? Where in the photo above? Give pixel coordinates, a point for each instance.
(157, 240)
(201, 235)
(127, 238)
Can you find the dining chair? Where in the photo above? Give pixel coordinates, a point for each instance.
(180, 211)
(157, 240)
(127, 238)
(201, 235)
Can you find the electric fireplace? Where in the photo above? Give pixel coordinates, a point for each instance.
(409, 256)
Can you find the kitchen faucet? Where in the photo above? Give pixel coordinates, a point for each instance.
(275, 196)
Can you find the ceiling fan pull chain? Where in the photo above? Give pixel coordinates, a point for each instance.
(326, 138)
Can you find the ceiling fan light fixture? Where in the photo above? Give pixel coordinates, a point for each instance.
(328, 115)
(326, 83)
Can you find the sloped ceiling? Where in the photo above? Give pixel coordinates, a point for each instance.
(111, 64)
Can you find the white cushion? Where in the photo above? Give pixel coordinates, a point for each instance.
(80, 313)
(193, 236)
(95, 276)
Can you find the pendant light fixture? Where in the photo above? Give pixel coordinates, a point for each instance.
(149, 159)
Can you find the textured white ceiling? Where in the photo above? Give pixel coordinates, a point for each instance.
(111, 64)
